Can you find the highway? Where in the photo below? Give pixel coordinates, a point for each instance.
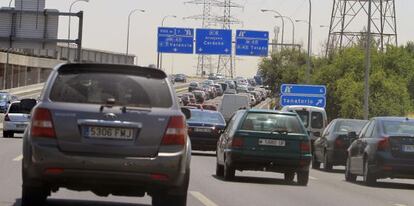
(249, 188)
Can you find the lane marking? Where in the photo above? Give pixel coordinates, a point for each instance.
(313, 178)
(203, 199)
(399, 205)
(18, 158)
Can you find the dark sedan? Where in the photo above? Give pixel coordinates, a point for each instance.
(331, 148)
(204, 129)
(384, 149)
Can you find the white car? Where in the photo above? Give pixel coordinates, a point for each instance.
(17, 117)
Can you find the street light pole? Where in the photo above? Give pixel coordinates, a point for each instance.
(159, 56)
(367, 63)
(10, 2)
(311, 33)
(283, 22)
(308, 62)
(129, 24)
(293, 27)
(69, 23)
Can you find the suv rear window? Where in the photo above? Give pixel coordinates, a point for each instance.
(267, 122)
(304, 116)
(317, 120)
(97, 88)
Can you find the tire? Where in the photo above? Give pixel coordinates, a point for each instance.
(5, 134)
(326, 165)
(33, 195)
(369, 178)
(315, 163)
(349, 177)
(289, 177)
(219, 170)
(303, 178)
(169, 200)
(229, 172)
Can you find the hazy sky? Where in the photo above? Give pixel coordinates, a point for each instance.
(106, 23)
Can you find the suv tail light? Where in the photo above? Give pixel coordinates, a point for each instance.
(6, 118)
(176, 132)
(305, 147)
(383, 144)
(237, 142)
(42, 124)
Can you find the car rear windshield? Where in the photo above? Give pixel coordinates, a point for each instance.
(15, 108)
(266, 122)
(350, 126)
(97, 88)
(207, 117)
(304, 116)
(398, 127)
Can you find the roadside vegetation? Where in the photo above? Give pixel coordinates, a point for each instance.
(391, 79)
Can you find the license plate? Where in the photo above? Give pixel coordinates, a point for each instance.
(272, 142)
(205, 130)
(109, 133)
(21, 126)
(408, 148)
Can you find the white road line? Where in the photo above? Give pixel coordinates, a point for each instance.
(399, 205)
(313, 178)
(203, 199)
(18, 158)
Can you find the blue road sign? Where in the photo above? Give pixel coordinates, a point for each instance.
(213, 41)
(175, 40)
(287, 100)
(304, 90)
(252, 43)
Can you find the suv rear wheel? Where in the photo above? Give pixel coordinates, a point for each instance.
(315, 163)
(180, 199)
(303, 178)
(289, 177)
(34, 195)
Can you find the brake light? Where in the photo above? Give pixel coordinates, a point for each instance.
(176, 132)
(6, 118)
(305, 147)
(42, 124)
(383, 144)
(237, 142)
(339, 143)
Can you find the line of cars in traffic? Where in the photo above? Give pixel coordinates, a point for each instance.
(382, 147)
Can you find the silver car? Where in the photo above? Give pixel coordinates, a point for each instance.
(17, 117)
(109, 129)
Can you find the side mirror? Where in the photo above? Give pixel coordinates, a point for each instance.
(352, 135)
(186, 112)
(317, 134)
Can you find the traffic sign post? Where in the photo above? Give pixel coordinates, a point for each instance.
(252, 43)
(175, 40)
(214, 41)
(305, 95)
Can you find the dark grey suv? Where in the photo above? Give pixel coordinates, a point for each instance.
(109, 129)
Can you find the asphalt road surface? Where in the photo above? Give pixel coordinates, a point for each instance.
(249, 188)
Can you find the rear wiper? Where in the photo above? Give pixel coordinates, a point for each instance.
(280, 131)
(124, 109)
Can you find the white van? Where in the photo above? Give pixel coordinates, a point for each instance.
(232, 103)
(314, 119)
